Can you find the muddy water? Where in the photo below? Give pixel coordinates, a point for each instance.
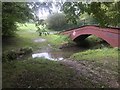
(50, 53)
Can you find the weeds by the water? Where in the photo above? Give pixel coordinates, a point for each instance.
(58, 40)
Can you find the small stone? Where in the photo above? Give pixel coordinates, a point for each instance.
(29, 86)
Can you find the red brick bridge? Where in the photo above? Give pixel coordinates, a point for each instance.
(109, 34)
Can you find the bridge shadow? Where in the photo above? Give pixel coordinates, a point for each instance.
(91, 41)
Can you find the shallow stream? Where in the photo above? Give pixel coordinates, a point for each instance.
(51, 53)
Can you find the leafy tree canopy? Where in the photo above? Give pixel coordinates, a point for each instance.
(56, 20)
(106, 13)
(13, 12)
(22, 12)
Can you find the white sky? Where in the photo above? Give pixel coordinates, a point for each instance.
(45, 13)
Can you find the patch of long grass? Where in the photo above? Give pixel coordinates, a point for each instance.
(26, 26)
(96, 54)
(107, 58)
(57, 40)
(41, 72)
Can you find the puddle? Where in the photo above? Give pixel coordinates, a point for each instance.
(46, 56)
(40, 40)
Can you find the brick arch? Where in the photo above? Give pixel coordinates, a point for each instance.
(110, 35)
(80, 38)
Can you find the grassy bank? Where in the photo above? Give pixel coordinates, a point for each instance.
(34, 73)
(105, 57)
(43, 73)
(97, 54)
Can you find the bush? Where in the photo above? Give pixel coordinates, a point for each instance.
(13, 12)
(13, 55)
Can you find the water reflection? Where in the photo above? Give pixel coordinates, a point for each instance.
(39, 40)
(49, 52)
(46, 55)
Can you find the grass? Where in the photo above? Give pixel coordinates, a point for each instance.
(25, 38)
(26, 26)
(107, 57)
(95, 42)
(42, 73)
(57, 40)
(36, 73)
(99, 52)
(96, 54)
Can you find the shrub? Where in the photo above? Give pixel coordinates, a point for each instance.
(13, 55)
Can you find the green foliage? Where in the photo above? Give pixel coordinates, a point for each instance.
(58, 40)
(86, 19)
(95, 42)
(106, 13)
(97, 54)
(26, 26)
(13, 12)
(9, 56)
(72, 11)
(36, 73)
(24, 38)
(99, 12)
(42, 29)
(15, 54)
(56, 21)
(105, 58)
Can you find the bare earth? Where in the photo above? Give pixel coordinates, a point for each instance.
(96, 75)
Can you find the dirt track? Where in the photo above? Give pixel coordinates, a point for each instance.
(96, 75)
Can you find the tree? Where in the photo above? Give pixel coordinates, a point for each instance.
(22, 12)
(73, 10)
(56, 21)
(86, 19)
(13, 12)
(106, 13)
